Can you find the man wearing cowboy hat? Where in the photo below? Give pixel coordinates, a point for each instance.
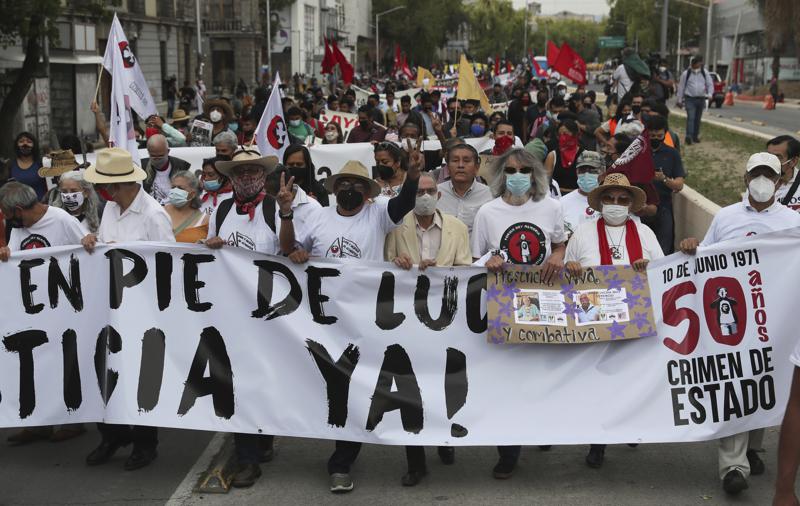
(356, 229)
(247, 220)
(759, 213)
(160, 167)
(130, 215)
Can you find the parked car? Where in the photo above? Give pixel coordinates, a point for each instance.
(719, 91)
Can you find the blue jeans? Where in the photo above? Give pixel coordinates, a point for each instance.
(694, 111)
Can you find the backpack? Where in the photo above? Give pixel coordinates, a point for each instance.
(689, 71)
(267, 206)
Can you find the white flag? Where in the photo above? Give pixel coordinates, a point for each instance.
(271, 134)
(129, 90)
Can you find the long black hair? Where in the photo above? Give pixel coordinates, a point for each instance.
(310, 169)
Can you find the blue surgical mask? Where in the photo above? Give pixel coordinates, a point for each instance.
(212, 185)
(477, 130)
(178, 197)
(518, 184)
(587, 182)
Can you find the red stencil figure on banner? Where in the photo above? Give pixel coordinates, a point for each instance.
(128, 60)
(271, 134)
(570, 64)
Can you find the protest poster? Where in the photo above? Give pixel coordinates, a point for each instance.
(229, 340)
(606, 303)
(346, 120)
(201, 133)
(362, 95)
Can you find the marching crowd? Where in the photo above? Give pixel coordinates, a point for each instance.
(569, 198)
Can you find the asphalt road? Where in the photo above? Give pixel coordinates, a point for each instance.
(785, 119)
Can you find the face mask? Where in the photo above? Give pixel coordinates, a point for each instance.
(614, 214)
(541, 103)
(24, 150)
(331, 135)
(349, 199)
(364, 124)
(561, 92)
(587, 182)
(215, 116)
(477, 130)
(178, 197)
(72, 201)
(761, 189)
(384, 172)
(404, 143)
(295, 122)
(298, 173)
(425, 205)
(525, 100)
(14, 222)
(518, 184)
(392, 137)
(159, 163)
(636, 109)
(213, 185)
(662, 69)
(696, 70)
(655, 143)
(247, 187)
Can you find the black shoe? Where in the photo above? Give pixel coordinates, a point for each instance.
(102, 453)
(696, 140)
(756, 464)
(246, 476)
(447, 454)
(594, 458)
(633, 445)
(545, 448)
(140, 458)
(688, 142)
(504, 468)
(412, 478)
(268, 453)
(734, 482)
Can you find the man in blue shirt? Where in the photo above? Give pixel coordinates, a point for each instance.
(588, 313)
(669, 179)
(694, 88)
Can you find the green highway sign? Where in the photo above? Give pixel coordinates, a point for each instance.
(612, 42)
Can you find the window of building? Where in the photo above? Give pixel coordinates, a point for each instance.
(85, 37)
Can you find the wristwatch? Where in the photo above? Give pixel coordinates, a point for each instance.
(288, 216)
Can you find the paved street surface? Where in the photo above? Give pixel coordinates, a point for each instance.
(785, 119)
(654, 474)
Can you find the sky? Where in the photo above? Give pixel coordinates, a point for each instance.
(595, 7)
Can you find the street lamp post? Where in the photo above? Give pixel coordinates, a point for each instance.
(377, 35)
(525, 38)
(678, 49)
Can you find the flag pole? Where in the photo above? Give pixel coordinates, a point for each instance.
(99, 78)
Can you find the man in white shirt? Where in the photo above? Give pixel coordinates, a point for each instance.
(131, 215)
(160, 167)
(787, 149)
(577, 211)
(462, 195)
(759, 214)
(695, 86)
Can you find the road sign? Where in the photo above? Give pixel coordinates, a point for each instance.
(612, 42)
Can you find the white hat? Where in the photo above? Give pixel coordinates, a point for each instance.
(764, 160)
(114, 165)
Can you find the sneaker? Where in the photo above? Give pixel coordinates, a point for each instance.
(140, 457)
(246, 476)
(447, 454)
(594, 458)
(734, 482)
(504, 469)
(696, 140)
(687, 141)
(341, 483)
(756, 464)
(412, 478)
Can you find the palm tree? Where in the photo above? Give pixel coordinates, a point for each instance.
(781, 19)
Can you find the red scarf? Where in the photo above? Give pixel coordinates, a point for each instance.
(632, 242)
(249, 207)
(501, 145)
(225, 189)
(567, 149)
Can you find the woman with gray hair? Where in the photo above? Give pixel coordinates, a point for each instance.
(189, 222)
(76, 196)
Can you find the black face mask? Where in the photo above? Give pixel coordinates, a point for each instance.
(14, 222)
(384, 172)
(349, 199)
(541, 103)
(655, 143)
(23, 150)
(224, 158)
(299, 173)
(636, 109)
(363, 124)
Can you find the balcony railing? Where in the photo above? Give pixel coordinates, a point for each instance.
(225, 25)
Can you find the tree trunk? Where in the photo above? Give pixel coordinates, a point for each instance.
(13, 101)
(776, 63)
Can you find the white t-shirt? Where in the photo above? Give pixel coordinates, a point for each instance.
(240, 231)
(56, 228)
(577, 211)
(361, 236)
(624, 82)
(584, 245)
(161, 185)
(208, 206)
(523, 233)
(303, 208)
(741, 220)
(795, 356)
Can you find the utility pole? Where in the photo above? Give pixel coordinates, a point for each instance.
(525, 39)
(664, 23)
(377, 36)
(269, 42)
(708, 32)
(199, 41)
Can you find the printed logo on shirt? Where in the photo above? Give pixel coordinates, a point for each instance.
(751, 233)
(590, 212)
(241, 241)
(34, 241)
(524, 243)
(343, 248)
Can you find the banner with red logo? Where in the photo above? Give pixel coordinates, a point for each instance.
(272, 135)
(570, 64)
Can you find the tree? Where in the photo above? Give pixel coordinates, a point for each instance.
(495, 28)
(781, 19)
(582, 36)
(31, 24)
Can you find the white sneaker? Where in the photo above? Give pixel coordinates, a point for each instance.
(341, 482)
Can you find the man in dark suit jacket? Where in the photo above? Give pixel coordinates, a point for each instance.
(160, 167)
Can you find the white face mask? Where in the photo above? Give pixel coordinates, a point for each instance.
(72, 201)
(331, 135)
(215, 116)
(761, 189)
(615, 215)
(425, 205)
(392, 137)
(696, 70)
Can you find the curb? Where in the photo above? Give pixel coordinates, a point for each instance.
(733, 128)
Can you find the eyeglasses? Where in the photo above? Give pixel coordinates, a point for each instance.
(521, 170)
(349, 185)
(429, 191)
(620, 200)
(247, 171)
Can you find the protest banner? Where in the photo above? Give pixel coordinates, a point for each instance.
(230, 340)
(605, 303)
(362, 95)
(201, 135)
(347, 121)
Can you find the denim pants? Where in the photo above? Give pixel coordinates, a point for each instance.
(694, 111)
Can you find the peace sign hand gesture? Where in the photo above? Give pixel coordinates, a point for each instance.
(285, 196)
(415, 158)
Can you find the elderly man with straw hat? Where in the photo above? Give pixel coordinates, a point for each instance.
(130, 215)
(356, 229)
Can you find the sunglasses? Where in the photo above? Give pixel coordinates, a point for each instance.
(521, 170)
(429, 191)
(348, 185)
(621, 200)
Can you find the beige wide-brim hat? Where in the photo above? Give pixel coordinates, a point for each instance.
(248, 156)
(60, 162)
(114, 165)
(179, 116)
(620, 181)
(355, 170)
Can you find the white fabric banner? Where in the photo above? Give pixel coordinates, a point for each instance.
(182, 336)
(362, 95)
(347, 121)
(272, 135)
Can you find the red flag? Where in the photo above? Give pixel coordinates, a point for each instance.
(536, 68)
(509, 67)
(497, 64)
(552, 53)
(327, 60)
(405, 69)
(636, 162)
(344, 65)
(397, 60)
(570, 64)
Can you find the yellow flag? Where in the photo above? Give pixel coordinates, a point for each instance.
(468, 87)
(422, 74)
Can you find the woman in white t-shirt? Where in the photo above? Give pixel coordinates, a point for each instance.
(77, 197)
(216, 187)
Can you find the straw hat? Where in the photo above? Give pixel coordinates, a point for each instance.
(247, 157)
(60, 162)
(179, 115)
(114, 165)
(355, 170)
(620, 181)
(223, 104)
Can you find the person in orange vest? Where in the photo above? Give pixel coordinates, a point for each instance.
(653, 107)
(608, 128)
